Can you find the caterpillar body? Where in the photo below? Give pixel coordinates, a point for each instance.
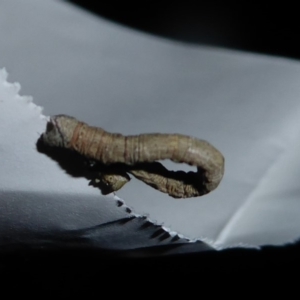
(140, 153)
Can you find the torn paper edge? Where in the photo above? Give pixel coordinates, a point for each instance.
(173, 234)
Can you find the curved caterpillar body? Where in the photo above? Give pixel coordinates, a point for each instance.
(140, 153)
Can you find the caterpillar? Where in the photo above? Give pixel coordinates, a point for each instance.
(139, 154)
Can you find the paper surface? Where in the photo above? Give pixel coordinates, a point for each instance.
(129, 82)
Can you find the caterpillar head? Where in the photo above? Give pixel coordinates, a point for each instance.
(59, 131)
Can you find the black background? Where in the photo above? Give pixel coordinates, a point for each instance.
(270, 28)
(67, 272)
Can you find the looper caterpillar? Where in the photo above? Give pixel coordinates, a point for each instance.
(139, 153)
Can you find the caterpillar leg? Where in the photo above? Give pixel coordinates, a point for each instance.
(109, 182)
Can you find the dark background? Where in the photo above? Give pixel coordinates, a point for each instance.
(266, 28)
(67, 272)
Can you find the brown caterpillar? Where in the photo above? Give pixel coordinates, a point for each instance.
(139, 154)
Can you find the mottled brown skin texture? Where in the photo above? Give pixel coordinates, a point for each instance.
(139, 153)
